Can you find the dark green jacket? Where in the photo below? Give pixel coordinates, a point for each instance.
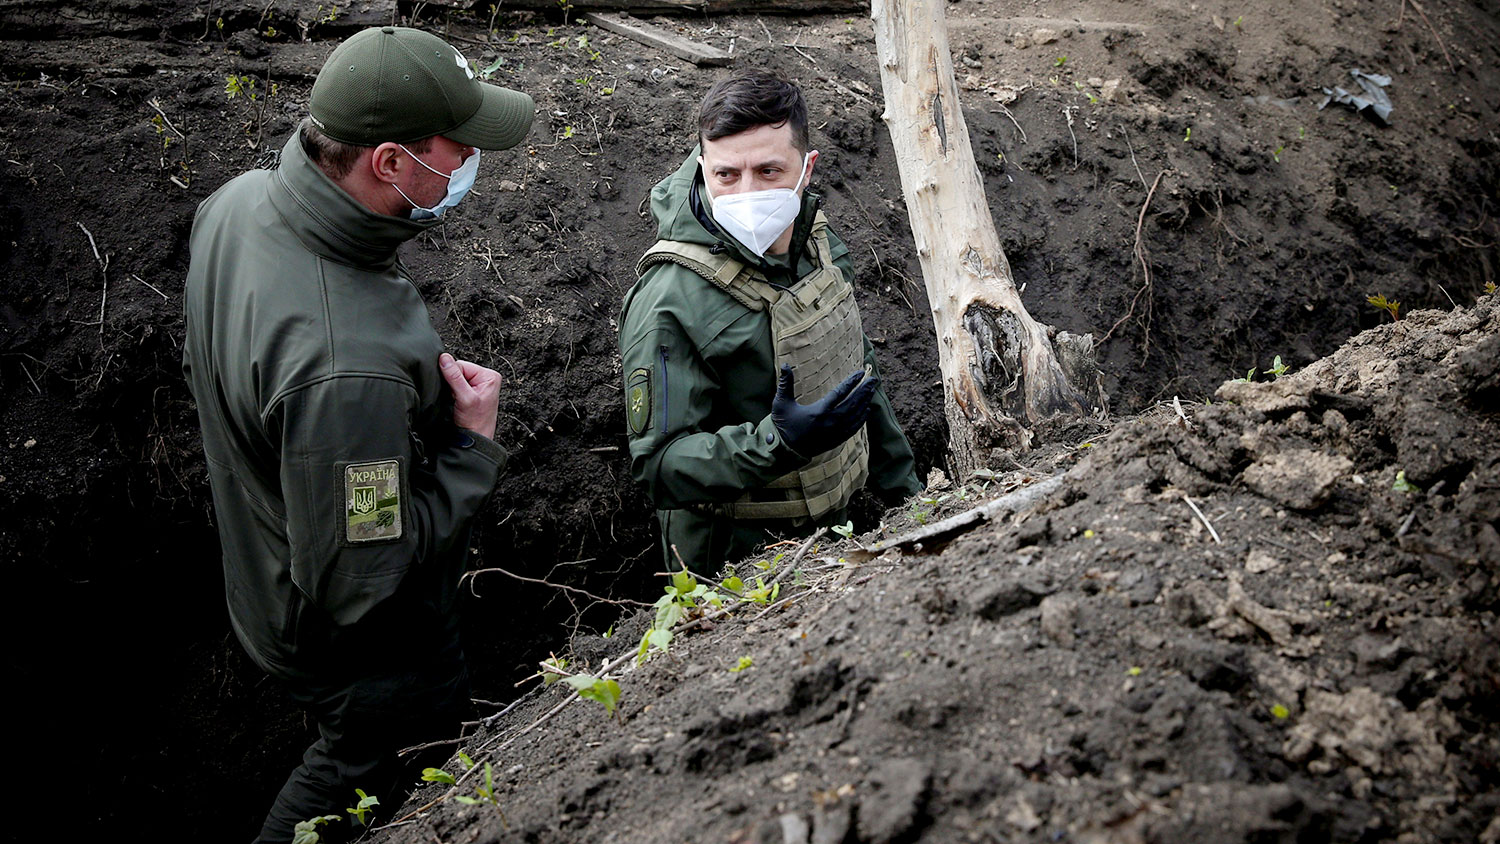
(707, 435)
(343, 491)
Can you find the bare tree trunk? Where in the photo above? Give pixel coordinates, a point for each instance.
(1000, 374)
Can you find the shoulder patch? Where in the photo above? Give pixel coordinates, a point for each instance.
(638, 400)
(372, 501)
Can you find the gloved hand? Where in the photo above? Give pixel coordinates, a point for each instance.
(812, 429)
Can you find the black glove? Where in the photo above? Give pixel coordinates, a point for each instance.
(812, 429)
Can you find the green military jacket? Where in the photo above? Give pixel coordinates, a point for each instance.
(343, 491)
(700, 370)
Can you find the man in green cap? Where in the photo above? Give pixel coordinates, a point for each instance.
(347, 452)
(753, 401)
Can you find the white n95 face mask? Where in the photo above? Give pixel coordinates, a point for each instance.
(459, 183)
(757, 218)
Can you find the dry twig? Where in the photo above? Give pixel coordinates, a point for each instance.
(1204, 519)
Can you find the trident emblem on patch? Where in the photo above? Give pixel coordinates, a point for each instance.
(364, 500)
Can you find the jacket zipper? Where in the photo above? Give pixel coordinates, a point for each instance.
(664, 389)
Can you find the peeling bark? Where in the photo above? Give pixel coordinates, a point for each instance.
(1001, 376)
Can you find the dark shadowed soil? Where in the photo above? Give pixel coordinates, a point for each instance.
(1269, 224)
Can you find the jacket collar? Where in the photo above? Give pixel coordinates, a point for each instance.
(330, 222)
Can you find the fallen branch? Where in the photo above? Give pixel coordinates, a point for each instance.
(938, 533)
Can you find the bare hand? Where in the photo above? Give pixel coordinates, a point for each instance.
(476, 394)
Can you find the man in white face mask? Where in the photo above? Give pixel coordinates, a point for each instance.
(753, 400)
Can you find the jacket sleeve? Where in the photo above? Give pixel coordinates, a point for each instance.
(674, 451)
(893, 472)
(363, 507)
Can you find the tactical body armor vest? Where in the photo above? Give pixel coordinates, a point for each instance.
(816, 330)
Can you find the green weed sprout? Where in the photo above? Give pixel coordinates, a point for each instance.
(306, 832)
(567, 132)
(486, 73)
(438, 775)
(606, 692)
(554, 661)
(236, 85)
(1060, 61)
(745, 662)
(1188, 136)
(1403, 485)
(1391, 307)
(365, 806)
(1278, 368)
(485, 792)
(1489, 287)
(465, 760)
(1249, 376)
(762, 594)
(846, 530)
(1280, 712)
(1276, 153)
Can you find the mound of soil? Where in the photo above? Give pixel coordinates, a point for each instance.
(1192, 133)
(1268, 619)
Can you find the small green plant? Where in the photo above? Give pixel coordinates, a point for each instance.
(567, 132)
(566, 8)
(846, 530)
(554, 661)
(1276, 153)
(1280, 712)
(438, 775)
(1239, 20)
(1403, 485)
(364, 807)
(1391, 307)
(745, 662)
(1134, 671)
(484, 792)
(487, 72)
(1060, 61)
(236, 85)
(762, 594)
(306, 832)
(1249, 376)
(1088, 533)
(465, 760)
(270, 32)
(1188, 136)
(583, 80)
(1278, 368)
(920, 515)
(607, 91)
(1489, 287)
(1301, 131)
(606, 692)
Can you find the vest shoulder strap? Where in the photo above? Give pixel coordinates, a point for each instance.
(718, 268)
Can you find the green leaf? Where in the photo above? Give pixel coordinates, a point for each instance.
(734, 584)
(745, 662)
(465, 799)
(1134, 671)
(606, 692)
(466, 760)
(684, 582)
(1403, 485)
(845, 530)
(490, 71)
(660, 638)
(438, 775)
(1279, 712)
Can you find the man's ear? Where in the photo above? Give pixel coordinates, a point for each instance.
(387, 162)
(812, 165)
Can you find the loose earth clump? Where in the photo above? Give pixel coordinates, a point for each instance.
(1160, 176)
(1269, 618)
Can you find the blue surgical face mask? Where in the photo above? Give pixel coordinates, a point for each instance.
(459, 182)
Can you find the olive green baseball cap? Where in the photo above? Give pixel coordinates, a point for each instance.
(393, 83)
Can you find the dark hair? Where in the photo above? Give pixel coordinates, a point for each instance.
(753, 98)
(337, 158)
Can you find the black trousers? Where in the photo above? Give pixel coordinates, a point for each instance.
(362, 723)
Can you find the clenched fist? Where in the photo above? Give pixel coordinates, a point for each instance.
(476, 394)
